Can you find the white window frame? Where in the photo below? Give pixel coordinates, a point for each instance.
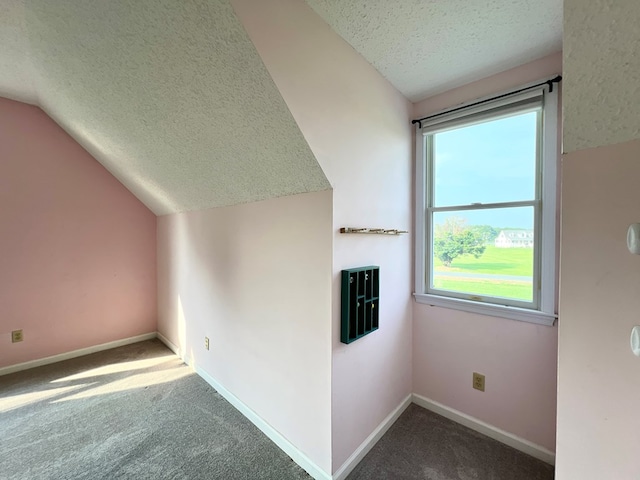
(543, 309)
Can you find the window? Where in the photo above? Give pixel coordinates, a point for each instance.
(486, 207)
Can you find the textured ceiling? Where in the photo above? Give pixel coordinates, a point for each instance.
(424, 47)
(15, 62)
(602, 64)
(173, 99)
(169, 95)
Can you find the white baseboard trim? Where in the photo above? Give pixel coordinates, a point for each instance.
(490, 431)
(171, 346)
(296, 455)
(75, 353)
(364, 448)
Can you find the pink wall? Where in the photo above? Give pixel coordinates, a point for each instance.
(256, 280)
(357, 126)
(540, 69)
(598, 376)
(518, 359)
(598, 381)
(78, 262)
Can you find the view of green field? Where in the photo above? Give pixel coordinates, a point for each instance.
(498, 261)
(517, 262)
(482, 287)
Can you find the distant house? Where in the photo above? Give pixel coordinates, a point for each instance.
(515, 239)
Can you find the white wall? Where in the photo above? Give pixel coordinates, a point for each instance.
(256, 279)
(358, 127)
(598, 387)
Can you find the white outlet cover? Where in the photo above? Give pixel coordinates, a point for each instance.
(635, 340)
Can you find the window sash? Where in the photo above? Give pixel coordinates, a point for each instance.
(529, 104)
(504, 107)
(477, 297)
(493, 114)
(543, 309)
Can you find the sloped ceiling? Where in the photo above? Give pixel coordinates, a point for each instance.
(425, 47)
(169, 95)
(15, 70)
(173, 99)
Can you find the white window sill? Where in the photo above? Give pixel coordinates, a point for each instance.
(493, 310)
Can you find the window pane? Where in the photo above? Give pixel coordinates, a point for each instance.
(484, 252)
(490, 162)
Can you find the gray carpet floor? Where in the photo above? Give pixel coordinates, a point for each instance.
(137, 412)
(426, 446)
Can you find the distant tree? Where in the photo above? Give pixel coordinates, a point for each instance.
(487, 232)
(454, 238)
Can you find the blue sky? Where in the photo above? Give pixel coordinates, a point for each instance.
(489, 162)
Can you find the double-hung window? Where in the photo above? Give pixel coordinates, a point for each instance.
(486, 207)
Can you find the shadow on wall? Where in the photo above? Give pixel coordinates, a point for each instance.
(200, 276)
(184, 276)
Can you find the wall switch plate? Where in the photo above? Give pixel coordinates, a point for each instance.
(206, 343)
(478, 381)
(16, 336)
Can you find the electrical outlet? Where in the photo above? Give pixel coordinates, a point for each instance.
(16, 336)
(206, 343)
(478, 381)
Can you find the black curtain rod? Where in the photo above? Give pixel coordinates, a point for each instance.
(557, 79)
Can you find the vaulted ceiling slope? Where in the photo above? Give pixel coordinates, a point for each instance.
(425, 47)
(170, 96)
